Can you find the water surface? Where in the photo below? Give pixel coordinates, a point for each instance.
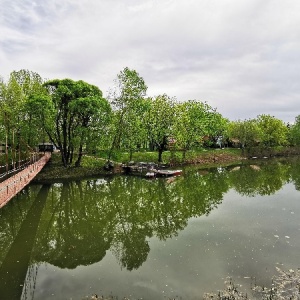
(152, 239)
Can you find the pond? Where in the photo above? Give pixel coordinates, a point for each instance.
(140, 238)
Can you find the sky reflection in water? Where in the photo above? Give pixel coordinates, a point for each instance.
(154, 239)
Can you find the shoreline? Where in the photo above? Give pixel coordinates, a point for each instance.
(94, 167)
(55, 172)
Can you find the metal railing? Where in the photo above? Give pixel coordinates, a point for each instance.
(6, 171)
(16, 182)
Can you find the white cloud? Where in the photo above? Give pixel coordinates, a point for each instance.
(241, 56)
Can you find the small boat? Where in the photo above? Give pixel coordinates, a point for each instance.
(168, 172)
(150, 175)
(138, 168)
(163, 173)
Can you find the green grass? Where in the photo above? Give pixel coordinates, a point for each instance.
(93, 165)
(92, 162)
(167, 156)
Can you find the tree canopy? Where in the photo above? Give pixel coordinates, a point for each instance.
(127, 100)
(75, 117)
(79, 107)
(159, 121)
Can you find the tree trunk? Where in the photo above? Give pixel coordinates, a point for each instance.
(63, 158)
(130, 154)
(71, 155)
(160, 151)
(78, 161)
(183, 155)
(243, 150)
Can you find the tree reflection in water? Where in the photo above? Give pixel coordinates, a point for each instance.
(263, 179)
(122, 213)
(14, 267)
(82, 220)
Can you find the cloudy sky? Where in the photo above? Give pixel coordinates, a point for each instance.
(241, 56)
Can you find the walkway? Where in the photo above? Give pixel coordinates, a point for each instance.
(13, 185)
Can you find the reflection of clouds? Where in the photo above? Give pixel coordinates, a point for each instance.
(250, 223)
(101, 181)
(241, 236)
(58, 185)
(52, 244)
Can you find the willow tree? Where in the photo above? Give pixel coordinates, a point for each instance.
(79, 109)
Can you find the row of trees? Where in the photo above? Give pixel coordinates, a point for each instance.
(75, 116)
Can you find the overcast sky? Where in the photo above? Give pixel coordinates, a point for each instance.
(240, 56)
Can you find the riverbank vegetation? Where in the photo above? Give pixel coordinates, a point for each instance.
(127, 125)
(93, 165)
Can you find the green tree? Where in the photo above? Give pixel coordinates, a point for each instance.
(39, 110)
(13, 97)
(2, 128)
(135, 134)
(294, 132)
(159, 121)
(217, 127)
(91, 114)
(246, 132)
(79, 106)
(273, 132)
(191, 124)
(126, 99)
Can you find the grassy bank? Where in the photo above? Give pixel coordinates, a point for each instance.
(175, 157)
(55, 171)
(94, 165)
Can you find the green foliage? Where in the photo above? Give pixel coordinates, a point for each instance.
(130, 86)
(159, 120)
(76, 118)
(127, 99)
(40, 117)
(247, 132)
(194, 121)
(294, 132)
(218, 127)
(265, 131)
(273, 132)
(80, 113)
(191, 123)
(14, 116)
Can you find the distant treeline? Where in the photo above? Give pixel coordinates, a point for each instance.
(77, 119)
